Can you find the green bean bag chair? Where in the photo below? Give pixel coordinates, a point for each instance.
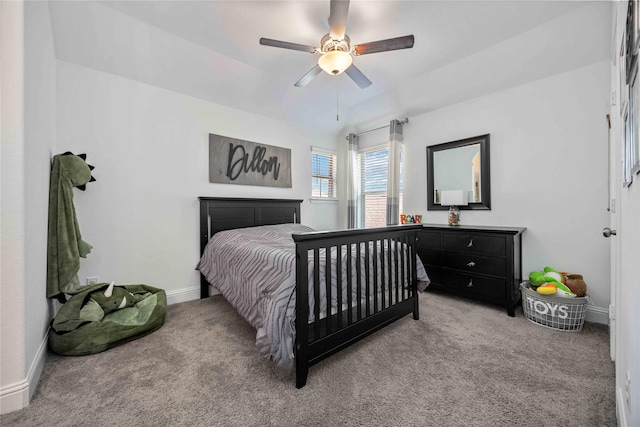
(102, 316)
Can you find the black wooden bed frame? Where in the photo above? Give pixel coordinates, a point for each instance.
(319, 339)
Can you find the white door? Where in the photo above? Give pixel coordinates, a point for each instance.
(614, 186)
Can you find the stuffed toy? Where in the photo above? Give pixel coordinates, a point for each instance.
(566, 284)
(81, 326)
(114, 298)
(576, 283)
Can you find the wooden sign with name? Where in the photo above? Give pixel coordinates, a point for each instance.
(235, 161)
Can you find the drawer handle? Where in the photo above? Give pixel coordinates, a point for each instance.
(471, 264)
(470, 245)
(470, 285)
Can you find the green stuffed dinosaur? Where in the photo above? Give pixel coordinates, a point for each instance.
(83, 326)
(100, 302)
(114, 298)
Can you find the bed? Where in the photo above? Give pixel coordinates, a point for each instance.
(273, 270)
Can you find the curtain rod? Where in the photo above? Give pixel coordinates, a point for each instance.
(403, 121)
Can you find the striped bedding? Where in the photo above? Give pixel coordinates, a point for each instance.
(254, 269)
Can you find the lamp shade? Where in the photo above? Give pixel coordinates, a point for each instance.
(335, 61)
(453, 198)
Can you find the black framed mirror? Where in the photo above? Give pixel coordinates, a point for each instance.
(459, 165)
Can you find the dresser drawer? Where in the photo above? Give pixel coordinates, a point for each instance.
(473, 284)
(430, 256)
(428, 239)
(474, 244)
(475, 263)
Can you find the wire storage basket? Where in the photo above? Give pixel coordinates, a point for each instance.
(565, 314)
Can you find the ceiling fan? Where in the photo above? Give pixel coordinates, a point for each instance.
(336, 49)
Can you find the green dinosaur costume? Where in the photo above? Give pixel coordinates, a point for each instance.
(97, 317)
(65, 245)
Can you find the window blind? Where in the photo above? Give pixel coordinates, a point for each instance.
(323, 175)
(374, 167)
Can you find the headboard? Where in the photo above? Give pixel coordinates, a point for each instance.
(219, 214)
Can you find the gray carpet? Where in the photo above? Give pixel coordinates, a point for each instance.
(462, 364)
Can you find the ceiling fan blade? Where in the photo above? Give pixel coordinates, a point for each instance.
(404, 42)
(338, 12)
(287, 45)
(357, 76)
(309, 76)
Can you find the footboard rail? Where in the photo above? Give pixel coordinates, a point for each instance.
(361, 280)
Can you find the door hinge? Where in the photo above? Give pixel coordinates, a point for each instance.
(612, 312)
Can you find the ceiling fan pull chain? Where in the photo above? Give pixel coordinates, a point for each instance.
(337, 104)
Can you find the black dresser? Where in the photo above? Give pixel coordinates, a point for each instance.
(484, 263)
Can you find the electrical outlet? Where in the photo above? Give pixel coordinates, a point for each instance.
(92, 280)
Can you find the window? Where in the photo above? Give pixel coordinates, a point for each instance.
(374, 167)
(323, 174)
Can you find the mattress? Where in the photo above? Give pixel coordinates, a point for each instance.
(255, 269)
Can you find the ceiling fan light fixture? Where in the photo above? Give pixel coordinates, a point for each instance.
(335, 61)
(336, 50)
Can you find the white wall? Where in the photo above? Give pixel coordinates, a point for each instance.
(40, 138)
(150, 150)
(13, 391)
(28, 133)
(548, 169)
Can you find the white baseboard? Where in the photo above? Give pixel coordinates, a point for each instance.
(14, 397)
(182, 295)
(597, 315)
(187, 294)
(621, 408)
(18, 395)
(35, 371)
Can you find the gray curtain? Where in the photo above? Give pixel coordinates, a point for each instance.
(353, 184)
(393, 180)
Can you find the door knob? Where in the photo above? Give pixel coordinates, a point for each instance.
(606, 232)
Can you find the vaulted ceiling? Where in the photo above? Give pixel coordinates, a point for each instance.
(211, 50)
